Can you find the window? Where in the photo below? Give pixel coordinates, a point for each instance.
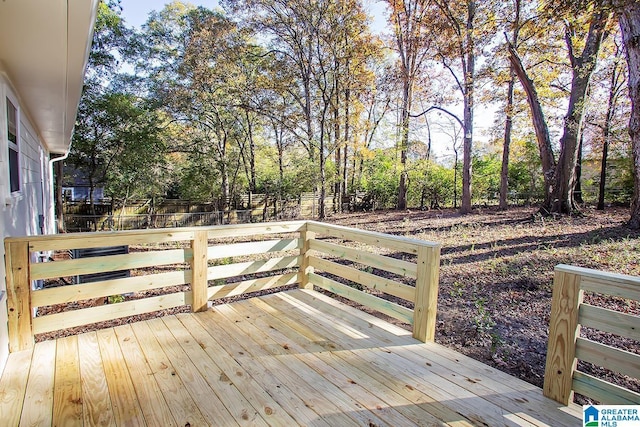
(12, 137)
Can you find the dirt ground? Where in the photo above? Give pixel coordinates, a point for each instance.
(497, 273)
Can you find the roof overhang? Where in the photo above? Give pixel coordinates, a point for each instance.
(44, 47)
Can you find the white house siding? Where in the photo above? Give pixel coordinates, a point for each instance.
(21, 210)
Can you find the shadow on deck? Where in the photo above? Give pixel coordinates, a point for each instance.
(292, 358)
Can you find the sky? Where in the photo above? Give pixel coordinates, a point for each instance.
(136, 12)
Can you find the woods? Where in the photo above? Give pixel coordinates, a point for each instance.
(400, 104)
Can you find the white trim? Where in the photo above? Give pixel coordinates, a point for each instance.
(12, 197)
(15, 146)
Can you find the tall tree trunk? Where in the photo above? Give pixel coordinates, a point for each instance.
(539, 122)
(562, 200)
(92, 203)
(429, 138)
(224, 185)
(577, 190)
(252, 155)
(280, 146)
(469, 84)
(404, 142)
(611, 105)
(323, 179)
(603, 171)
(506, 147)
(345, 175)
(307, 115)
(455, 178)
(323, 191)
(337, 186)
(629, 18)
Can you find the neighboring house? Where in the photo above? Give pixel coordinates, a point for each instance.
(44, 46)
(80, 193)
(76, 188)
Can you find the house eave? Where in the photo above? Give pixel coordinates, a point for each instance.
(44, 48)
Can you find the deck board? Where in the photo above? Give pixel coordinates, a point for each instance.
(150, 398)
(195, 384)
(97, 409)
(13, 387)
(39, 394)
(284, 349)
(260, 400)
(232, 399)
(181, 404)
(126, 409)
(285, 386)
(67, 393)
(417, 407)
(293, 358)
(418, 376)
(494, 385)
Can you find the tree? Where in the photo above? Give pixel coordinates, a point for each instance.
(319, 52)
(460, 44)
(582, 67)
(98, 111)
(509, 109)
(629, 18)
(201, 66)
(116, 143)
(560, 176)
(615, 80)
(412, 39)
(452, 128)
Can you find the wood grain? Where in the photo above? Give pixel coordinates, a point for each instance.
(95, 391)
(124, 401)
(13, 386)
(149, 395)
(70, 319)
(38, 403)
(199, 272)
(363, 278)
(426, 294)
(292, 358)
(403, 244)
(250, 248)
(18, 300)
(73, 267)
(383, 306)
(563, 332)
(104, 288)
(392, 265)
(67, 395)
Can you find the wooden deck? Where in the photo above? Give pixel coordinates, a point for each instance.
(294, 358)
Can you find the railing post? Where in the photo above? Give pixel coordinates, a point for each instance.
(426, 304)
(199, 265)
(18, 295)
(305, 269)
(563, 332)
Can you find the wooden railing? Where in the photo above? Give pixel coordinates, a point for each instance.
(190, 266)
(566, 346)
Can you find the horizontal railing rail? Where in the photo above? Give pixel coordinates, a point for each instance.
(191, 266)
(566, 346)
(422, 293)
